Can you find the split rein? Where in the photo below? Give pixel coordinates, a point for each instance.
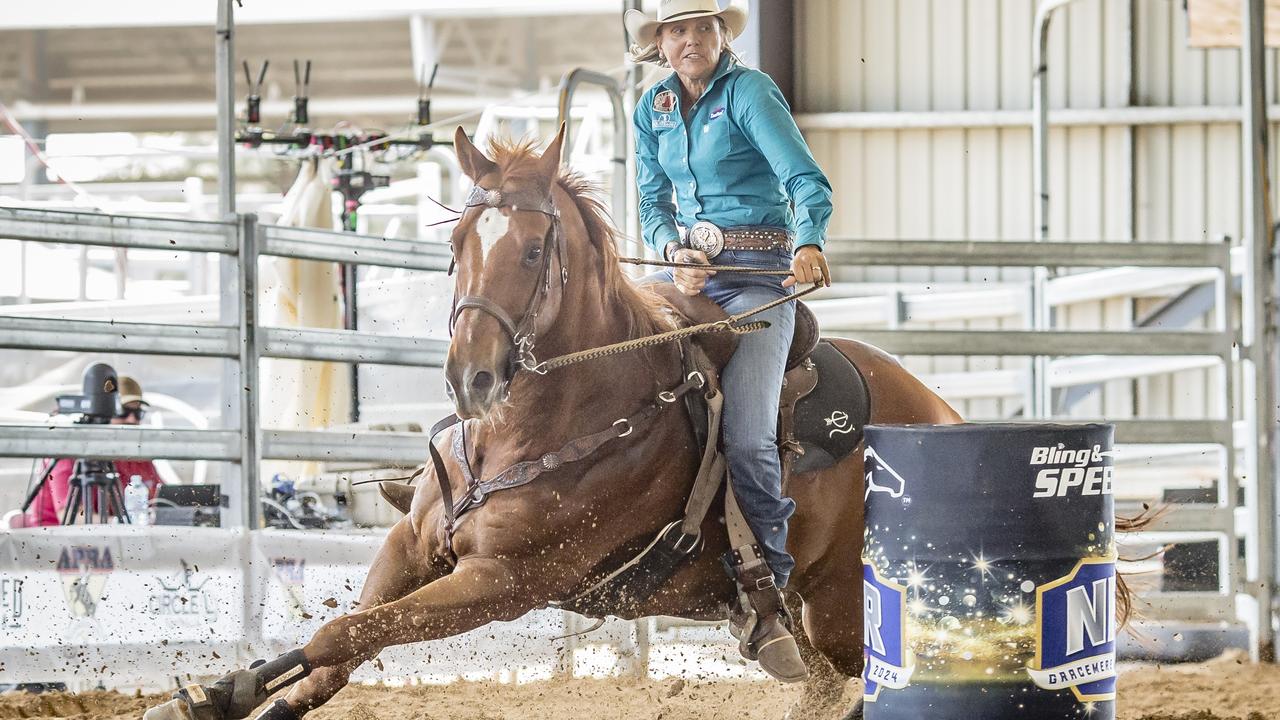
(732, 324)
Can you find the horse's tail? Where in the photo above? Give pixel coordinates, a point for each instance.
(1125, 596)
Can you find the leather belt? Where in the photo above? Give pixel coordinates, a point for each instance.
(713, 240)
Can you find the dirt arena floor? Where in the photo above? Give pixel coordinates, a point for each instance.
(1224, 689)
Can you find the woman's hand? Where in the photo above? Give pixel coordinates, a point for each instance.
(690, 281)
(809, 266)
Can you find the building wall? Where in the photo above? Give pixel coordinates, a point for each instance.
(1176, 183)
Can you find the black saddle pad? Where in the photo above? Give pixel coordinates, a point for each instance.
(830, 419)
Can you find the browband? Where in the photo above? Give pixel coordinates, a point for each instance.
(483, 197)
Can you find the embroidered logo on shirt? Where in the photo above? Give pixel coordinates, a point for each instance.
(664, 102)
(717, 112)
(663, 121)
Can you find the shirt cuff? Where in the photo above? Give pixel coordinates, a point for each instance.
(809, 238)
(664, 235)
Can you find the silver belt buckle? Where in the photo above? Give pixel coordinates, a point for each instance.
(706, 237)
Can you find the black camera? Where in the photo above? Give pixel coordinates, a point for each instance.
(101, 399)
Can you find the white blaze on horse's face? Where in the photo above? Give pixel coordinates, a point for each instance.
(491, 227)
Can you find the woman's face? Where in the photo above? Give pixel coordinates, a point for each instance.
(692, 47)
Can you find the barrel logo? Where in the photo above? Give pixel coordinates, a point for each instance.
(1076, 639)
(880, 477)
(887, 660)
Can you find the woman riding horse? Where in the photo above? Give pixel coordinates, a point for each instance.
(722, 137)
(537, 272)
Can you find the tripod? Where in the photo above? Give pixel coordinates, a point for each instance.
(93, 487)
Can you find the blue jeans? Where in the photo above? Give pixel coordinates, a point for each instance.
(752, 382)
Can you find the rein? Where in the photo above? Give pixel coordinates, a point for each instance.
(729, 324)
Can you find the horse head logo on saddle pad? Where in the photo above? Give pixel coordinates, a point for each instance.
(881, 477)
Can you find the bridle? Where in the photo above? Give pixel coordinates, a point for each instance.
(522, 334)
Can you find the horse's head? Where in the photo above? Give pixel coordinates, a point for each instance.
(509, 246)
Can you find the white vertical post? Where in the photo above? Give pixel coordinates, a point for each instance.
(224, 69)
(250, 432)
(234, 378)
(1257, 336)
(1039, 403)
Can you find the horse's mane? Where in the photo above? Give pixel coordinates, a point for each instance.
(514, 159)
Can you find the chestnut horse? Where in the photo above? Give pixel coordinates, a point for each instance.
(532, 545)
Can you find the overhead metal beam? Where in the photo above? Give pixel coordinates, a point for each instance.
(395, 105)
(162, 13)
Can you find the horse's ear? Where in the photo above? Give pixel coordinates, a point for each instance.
(473, 162)
(551, 156)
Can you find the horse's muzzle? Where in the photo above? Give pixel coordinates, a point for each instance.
(475, 389)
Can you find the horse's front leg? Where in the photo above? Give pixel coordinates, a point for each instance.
(400, 567)
(477, 592)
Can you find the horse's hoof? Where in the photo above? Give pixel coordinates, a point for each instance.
(175, 709)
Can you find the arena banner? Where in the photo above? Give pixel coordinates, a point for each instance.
(132, 607)
(120, 605)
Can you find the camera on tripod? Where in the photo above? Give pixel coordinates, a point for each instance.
(94, 485)
(100, 398)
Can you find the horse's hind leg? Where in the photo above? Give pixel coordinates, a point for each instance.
(824, 687)
(833, 623)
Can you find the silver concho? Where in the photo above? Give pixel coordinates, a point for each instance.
(493, 198)
(706, 237)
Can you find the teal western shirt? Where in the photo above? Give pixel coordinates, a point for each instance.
(739, 160)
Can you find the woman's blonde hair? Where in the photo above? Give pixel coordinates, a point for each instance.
(650, 54)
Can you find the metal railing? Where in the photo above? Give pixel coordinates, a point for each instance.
(246, 342)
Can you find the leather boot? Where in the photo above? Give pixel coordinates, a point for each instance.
(760, 621)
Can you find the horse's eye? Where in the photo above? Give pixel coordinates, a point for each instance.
(533, 254)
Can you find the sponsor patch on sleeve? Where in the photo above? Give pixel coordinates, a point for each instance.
(664, 102)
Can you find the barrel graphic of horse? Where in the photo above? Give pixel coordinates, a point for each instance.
(989, 577)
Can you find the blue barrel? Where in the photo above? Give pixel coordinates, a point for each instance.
(989, 572)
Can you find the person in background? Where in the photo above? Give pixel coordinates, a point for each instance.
(48, 505)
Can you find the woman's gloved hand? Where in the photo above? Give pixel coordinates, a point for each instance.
(690, 281)
(809, 267)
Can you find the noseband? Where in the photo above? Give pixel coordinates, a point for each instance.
(523, 334)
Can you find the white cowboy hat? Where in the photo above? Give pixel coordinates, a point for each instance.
(644, 30)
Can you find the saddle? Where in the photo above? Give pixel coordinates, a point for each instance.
(824, 403)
